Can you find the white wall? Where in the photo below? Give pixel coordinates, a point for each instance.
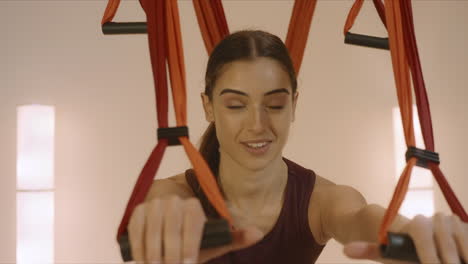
(52, 52)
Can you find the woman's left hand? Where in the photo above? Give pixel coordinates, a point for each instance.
(439, 239)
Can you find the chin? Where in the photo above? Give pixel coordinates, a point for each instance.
(256, 163)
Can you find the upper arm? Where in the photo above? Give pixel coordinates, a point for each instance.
(175, 185)
(339, 206)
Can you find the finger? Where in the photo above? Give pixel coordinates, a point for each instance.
(446, 245)
(194, 220)
(172, 233)
(362, 250)
(136, 229)
(366, 250)
(421, 232)
(460, 232)
(154, 225)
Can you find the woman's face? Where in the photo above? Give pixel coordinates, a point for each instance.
(252, 107)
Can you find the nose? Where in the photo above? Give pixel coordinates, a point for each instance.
(257, 120)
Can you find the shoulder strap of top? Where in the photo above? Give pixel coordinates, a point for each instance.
(302, 185)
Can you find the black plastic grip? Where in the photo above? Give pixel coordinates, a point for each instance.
(172, 134)
(423, 156)
(116, 28)
(125, 248)
(216, 232)
(366, 41)
(401, 247)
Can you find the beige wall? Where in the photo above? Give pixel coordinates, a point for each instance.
(52, 52)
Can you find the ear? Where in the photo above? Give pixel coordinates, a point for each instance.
(208, 107)
(295, 96)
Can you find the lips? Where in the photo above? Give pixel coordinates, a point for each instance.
(257, 147)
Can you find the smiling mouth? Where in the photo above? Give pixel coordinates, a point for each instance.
(257, 145)
(257, 148)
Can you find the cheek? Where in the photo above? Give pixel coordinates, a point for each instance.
(226, 120)
(227, 125)
(281, 124)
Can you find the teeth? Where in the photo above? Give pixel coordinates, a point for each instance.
(257, 145)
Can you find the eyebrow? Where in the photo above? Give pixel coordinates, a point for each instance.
(280, 90)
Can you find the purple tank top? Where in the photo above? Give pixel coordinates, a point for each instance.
(290, 240)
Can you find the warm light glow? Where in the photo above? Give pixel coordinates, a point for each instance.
(418, 202)
(35, 147)
(35, 184)
(419, 199)
(35, 227)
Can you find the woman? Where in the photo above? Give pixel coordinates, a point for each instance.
(285, 212)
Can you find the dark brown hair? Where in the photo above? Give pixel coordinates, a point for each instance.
(241, 45)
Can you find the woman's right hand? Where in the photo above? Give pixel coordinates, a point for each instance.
(169, 231)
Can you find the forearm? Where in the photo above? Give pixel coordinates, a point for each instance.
(365, 224)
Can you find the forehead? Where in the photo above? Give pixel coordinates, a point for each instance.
(253, 77)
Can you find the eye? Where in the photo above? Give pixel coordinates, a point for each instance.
(276, 102)
(276, 107)
(235, 106)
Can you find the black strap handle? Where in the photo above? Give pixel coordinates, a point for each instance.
(401, 247)
(424, 156)
(116, 28)
(366, 41)
(172, 134)
(215, 233)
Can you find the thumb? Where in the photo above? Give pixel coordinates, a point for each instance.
(241, 239)
(362, 250)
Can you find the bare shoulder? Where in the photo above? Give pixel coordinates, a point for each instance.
(321, 188)
(329, 191)
(326, 199)
(175, 185)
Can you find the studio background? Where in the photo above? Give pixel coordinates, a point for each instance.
(53, 53)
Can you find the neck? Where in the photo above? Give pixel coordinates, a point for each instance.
(252, 191)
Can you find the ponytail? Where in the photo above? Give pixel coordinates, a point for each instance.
(209, 148)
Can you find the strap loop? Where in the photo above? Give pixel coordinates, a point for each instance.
(173, 134)
(424, 156)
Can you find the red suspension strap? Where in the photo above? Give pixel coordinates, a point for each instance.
(402, 82)
(424, 110)
(379, 6)
(401, 29)
(166, 45)
(177, 75)
(212, 22)
(298, 31)
(405, 57)
(352, 15)
(356, 8)
(213, 26)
